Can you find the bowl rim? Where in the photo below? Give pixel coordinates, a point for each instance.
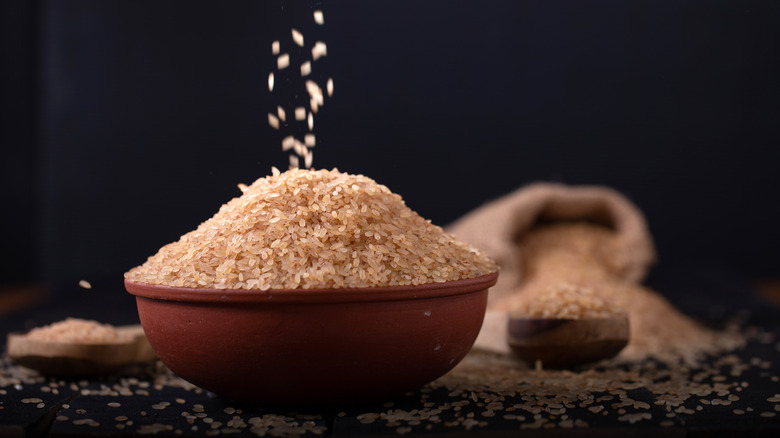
(313, 295)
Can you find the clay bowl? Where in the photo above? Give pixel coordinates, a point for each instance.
(566, 343)
(312, 345)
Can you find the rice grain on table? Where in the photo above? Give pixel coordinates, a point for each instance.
(313, 229)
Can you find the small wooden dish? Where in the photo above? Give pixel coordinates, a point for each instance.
(68, 358)
(566, 343)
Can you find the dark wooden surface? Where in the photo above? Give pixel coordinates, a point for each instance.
(149, 399)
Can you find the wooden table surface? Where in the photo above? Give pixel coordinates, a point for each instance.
(150, 400)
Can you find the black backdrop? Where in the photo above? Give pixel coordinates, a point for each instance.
(127, 123)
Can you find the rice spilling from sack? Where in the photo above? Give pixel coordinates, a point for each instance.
(313, 229)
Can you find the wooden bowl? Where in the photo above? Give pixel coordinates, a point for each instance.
(312, 345)
(80, 358)
(566, 343)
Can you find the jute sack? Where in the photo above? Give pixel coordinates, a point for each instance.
(498, 226)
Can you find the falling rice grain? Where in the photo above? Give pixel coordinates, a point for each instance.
(309, 159)
(273, 121)
(283, 61)
(315, 92)
(306, 68)
(299, 148)
(319, 50)
(287, 143)
(297, 37)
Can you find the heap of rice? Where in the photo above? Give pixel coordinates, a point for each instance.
(75, 330)
(567, 301)
(313, 229)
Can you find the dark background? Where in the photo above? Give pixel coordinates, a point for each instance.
(127, 123)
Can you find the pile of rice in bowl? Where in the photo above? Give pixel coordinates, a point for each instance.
(313, 229)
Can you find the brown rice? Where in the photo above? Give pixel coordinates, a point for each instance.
(75, 330)
(567, 301)
(313, 229)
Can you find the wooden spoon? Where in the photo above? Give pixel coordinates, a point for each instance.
(74, 358)
(566, 343)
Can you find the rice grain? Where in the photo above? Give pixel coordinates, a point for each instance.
(283, 61)
(297, 37)
(306, 68)
(319, 18)
(273, 121)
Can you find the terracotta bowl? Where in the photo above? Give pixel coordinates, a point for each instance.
(312, 345)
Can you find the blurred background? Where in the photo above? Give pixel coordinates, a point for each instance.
(126, 123)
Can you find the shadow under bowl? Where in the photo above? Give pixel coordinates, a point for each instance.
(312, 345)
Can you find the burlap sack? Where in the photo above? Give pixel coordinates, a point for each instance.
(497, 226)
